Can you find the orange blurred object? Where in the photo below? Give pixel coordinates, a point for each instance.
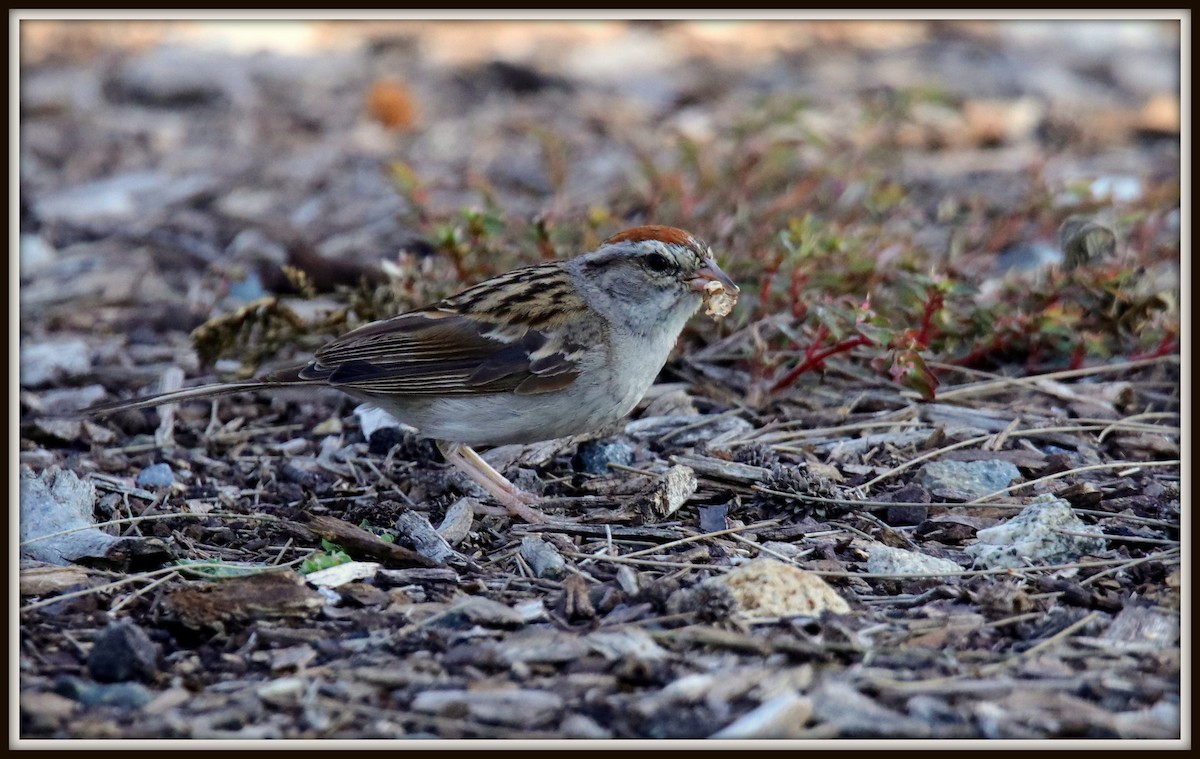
(391, 104)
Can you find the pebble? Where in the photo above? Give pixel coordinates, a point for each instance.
(52, 361)
(156, 476)
(124, 696)
(595, 456)
(970, 479)
(122, 652)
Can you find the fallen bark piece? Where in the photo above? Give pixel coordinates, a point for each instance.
(857, 716)
(415, 575)
(631, 642)
(459, 520)
(664, 496)
(484, 611)
(780, 717)
(542, 557)
(240, 599)
(417, 530)
(49, 580)
(523, 708)
(769, 588)
(359, 542)
(1142, 626)
(540, 645)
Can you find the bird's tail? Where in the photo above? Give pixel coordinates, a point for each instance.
(277, 379)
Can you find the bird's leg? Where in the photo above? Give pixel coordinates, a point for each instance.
(517, 501)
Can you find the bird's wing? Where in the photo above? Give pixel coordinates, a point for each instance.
(440, 351)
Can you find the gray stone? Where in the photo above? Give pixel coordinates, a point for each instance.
(972, 479)
(595, 456)
(156, 476)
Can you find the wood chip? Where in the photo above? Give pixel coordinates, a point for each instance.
(240, 599)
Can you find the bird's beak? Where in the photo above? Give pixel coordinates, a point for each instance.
(712, 273)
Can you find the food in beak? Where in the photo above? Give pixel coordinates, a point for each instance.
(720, 292)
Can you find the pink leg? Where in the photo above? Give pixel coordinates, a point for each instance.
(517, 501)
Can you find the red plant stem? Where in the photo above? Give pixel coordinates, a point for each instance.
(814, 358)
(795, 290)
(1166, 347)
(764, 290)
(818, 338)
(1078, 355)
(932, 306)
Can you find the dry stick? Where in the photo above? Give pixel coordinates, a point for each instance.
(705, 421)
(1126, 538)
(1015, 571)
(924, 457)
(1127, 517)
(1006, 382)
(1058, 637)
(773, 437)
(999, 439)
(1119, 567)
(869, 504)
(118, 605)
(640, 562)
(282, 551)
(971, 441)
(694, 538)
(768, 551)
(131, 520)
(1128, 423)
(632, 470)
(1090, 467)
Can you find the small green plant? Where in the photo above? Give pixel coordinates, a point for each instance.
(331, 556)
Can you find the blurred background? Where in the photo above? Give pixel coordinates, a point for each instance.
(171, 170)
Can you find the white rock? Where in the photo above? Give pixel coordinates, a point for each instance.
(886, 560)
(1035, 537)
(53, 360)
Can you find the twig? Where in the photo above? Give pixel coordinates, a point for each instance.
(1009, 382)
(1077, 470)
(1124, 538)
(1126, 565)
(645, 562)
(1066, 632)
(118, 605)
(147, 518)
(702, 536)
(1015, 571)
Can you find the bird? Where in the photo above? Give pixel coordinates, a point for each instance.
(541, 352)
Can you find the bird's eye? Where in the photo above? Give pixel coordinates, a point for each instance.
(657, 262)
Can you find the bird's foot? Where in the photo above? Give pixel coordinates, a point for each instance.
(518, 503)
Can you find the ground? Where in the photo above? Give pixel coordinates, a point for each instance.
(923, 482)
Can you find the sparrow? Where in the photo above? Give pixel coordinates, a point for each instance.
(541, 352)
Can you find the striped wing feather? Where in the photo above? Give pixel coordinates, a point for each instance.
(435, 352)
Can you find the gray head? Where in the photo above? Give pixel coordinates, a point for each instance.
(649, 274)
